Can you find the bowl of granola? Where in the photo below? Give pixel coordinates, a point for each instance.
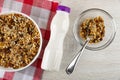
(97, 24)
(20, 41)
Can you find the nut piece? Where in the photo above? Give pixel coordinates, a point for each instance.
(19, 40)
(95, 27)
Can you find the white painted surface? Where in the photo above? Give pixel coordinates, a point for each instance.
(93, 65)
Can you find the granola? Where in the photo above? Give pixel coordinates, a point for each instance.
(19, 40)
(96, 29)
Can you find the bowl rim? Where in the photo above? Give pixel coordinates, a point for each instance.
(40, 47)
(108, 42)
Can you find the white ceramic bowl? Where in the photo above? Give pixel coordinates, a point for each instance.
(13, 70)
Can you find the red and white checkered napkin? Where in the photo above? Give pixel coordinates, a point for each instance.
(42, 12)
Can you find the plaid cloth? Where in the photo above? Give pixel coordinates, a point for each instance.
(42, 12)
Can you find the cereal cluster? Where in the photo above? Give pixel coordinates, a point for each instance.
(93, 28)
(19, 40)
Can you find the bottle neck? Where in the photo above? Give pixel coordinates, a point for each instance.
(62, 12)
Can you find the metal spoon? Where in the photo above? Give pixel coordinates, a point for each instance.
(71, 66)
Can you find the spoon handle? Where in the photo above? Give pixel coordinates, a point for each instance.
(71, 66)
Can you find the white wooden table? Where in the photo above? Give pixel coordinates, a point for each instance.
(93, 65)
